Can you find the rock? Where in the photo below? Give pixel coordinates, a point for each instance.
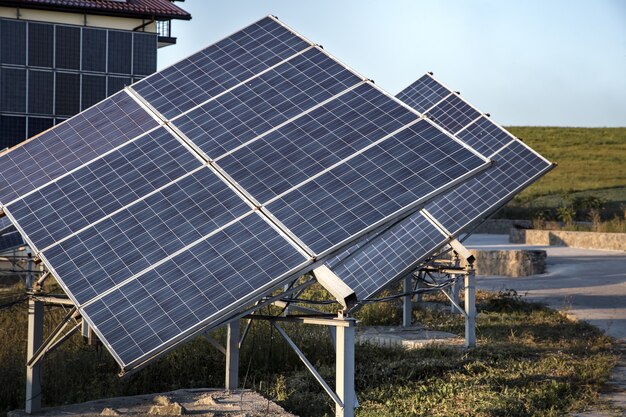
(206, 399)
(110, 412)
(171, 409)
(161, 400)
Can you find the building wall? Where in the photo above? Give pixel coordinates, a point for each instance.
(49, 72)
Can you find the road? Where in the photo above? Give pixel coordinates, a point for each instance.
(587, 284)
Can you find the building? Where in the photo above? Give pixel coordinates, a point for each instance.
(59, 57)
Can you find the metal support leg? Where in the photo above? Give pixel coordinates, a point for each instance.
(407, 302)
(344, 377)
(455, 295)
(84, 329)
(232, 355)
(34, 372)
(470, 309)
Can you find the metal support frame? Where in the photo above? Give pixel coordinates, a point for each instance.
(407, 301)
(342, 331)
(34, 373)
(232, 355)
(470, 308)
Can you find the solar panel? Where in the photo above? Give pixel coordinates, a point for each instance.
(370, 266)
(160, 232)
(387, 178)
(102, 186)
(265, 102)
(10, 238)
(219, 67)
(69, 145)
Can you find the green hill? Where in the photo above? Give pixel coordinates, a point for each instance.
(591, 165)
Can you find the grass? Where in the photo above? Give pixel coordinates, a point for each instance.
(588, 158)
(531, 361)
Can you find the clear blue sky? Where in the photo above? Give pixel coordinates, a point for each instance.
(537, 62)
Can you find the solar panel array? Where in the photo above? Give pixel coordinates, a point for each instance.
(176, 203)
(371, 265)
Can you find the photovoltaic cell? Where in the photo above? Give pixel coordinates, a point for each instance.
(186, 292)
(377, 183)
(101, 187)
(515, 166)
(145, 233)
(391, 254)
(311, 143)
(453, 114)
(219, 67)
(423, 93)
(10, 238)
(265, 102)
(71, 144)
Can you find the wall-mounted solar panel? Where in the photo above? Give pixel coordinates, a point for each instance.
(383, 259)
(178, 202)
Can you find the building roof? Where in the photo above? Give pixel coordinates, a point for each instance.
(151, 9)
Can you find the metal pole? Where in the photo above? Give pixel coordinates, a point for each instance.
(232, 355)
(29, 266)
(34, 372)
(470, 308)
(407, 302)
(344, 376)
(455, 296)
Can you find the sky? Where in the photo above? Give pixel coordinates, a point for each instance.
(527, 63)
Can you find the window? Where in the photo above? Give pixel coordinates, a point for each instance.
(144, 53)
(94, 89)
(120, 48)
(13, 42)
(94, 50)
(12, 130)
(13, 90)
(67, 50)
(40, 44)
(67, 94)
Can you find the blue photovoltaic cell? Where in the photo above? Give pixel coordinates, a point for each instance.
(115, 249)
(389, 255)
(10, 238)
(101, 187)
(315, 141)
(453, 114)
(220, 66)
(384, 179)
(265, 102)
(423, 93)
(515, 165)
(484, 136)
(71, 144)
(182, 294)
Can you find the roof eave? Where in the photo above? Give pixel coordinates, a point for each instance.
(114, 13)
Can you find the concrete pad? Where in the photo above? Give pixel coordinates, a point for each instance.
(414, 337)
(203, 402)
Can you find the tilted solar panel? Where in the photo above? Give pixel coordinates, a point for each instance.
(258, 156)
(370, 266)
(10, 238)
